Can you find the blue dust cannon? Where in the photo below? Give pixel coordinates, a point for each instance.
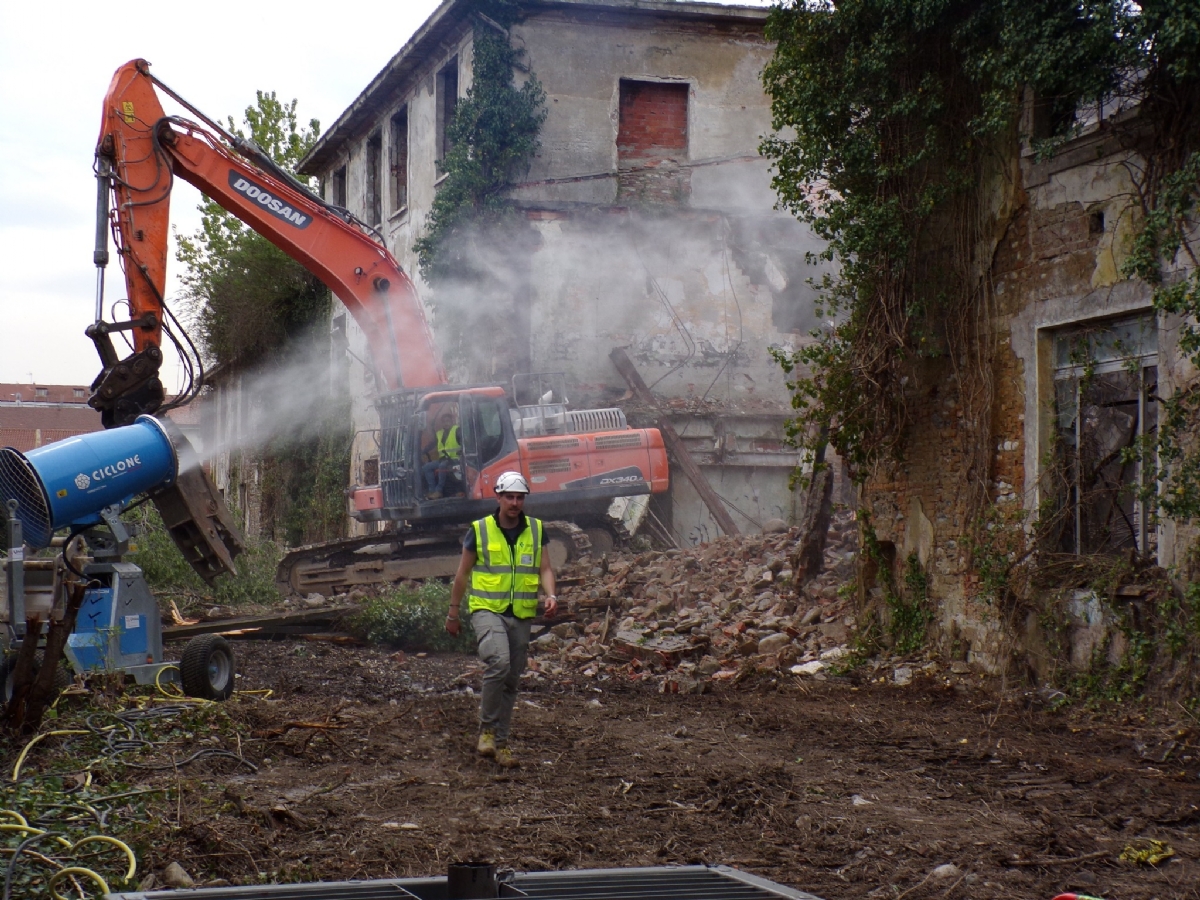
(70, 481)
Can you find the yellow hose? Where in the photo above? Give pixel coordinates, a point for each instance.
(24, 829)
(29, 746)
(16, 815)
(75, 870)
(174, 695)
(105, 839)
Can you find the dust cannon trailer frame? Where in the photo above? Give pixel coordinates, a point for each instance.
(84, 482)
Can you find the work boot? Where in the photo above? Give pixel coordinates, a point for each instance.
(505, 758)
(434, 495)
(487, 744)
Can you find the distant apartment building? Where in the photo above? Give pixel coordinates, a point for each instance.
(33, 415)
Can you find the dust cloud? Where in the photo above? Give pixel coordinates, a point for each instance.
(298, 399)
(696, 288)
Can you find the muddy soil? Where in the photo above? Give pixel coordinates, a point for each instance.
(843, 789)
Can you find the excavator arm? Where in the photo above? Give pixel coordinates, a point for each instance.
(140, 151)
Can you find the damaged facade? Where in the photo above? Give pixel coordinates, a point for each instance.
(1079, 363)
(646, 222)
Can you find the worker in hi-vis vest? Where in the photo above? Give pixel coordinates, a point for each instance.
(445, 455)
(503, 564)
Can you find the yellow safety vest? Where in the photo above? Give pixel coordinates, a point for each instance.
(448, 443)
(505, 576)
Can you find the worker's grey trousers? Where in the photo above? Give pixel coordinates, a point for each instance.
(504, 649)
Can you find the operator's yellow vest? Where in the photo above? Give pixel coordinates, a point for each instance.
(506, 576)
(448, 442)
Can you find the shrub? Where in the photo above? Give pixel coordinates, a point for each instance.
(413, 619)
(168, 573)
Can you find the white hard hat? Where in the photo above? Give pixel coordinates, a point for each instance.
(512, 483)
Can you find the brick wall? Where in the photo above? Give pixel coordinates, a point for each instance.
(1047, 251)
(653, 120)
(652, 142)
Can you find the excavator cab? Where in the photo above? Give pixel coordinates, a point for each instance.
(435, 448)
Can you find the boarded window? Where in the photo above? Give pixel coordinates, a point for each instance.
(374, 199)
(447, 102)
(652, 139)
(1105, 381)
(398, 160)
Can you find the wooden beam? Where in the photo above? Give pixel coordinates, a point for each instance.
(312, 617)
(674, 443)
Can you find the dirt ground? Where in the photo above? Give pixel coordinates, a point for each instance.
(839, 788)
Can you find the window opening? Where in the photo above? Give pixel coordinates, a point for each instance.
(339, 188)
(398, 160)
(652, 141)
(653, 119)
(374, 192)
(447, 102)
(1105, 386)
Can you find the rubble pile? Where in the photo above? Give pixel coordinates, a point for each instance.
(715, 611)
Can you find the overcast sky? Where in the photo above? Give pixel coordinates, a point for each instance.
(56, 60)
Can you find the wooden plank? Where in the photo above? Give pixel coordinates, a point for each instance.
(216, 626)
(674, 444)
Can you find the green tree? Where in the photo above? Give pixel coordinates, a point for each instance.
(254, 306)
(249, 298)
(492, 138)
(893, 116)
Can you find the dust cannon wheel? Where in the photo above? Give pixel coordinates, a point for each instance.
(206, 668)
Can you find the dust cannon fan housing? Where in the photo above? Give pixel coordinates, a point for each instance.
(69, 482)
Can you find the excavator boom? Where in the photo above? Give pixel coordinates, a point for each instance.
(141, 150)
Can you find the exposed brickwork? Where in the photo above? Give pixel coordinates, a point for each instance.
(1045, 253)
(652, 142)
(653, 120)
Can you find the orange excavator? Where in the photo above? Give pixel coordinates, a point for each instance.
(578, 462)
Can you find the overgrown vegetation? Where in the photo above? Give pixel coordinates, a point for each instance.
(902, 114)
(492, 139)
(171, 578)
(906, 608)
(248, 297)
(413, 619)
(254, 307)
(904, 120)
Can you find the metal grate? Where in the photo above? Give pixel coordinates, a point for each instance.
(588, 420)
(554, 444)
(18, 481)
(395, 442)
(549, 466)
(685, 883)
(619, 441)
(668, 883)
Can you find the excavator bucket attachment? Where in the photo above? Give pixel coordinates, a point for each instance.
(195, 515)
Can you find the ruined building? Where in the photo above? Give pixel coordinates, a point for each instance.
(1077, 366)
(646, 222)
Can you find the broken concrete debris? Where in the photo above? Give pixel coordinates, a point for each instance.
(716, 611)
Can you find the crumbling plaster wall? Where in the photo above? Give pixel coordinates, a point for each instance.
(1056, 265)
(581, 60)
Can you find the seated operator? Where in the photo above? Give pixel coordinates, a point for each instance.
(445, 455)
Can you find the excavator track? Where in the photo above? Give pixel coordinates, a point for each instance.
(335, 567)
